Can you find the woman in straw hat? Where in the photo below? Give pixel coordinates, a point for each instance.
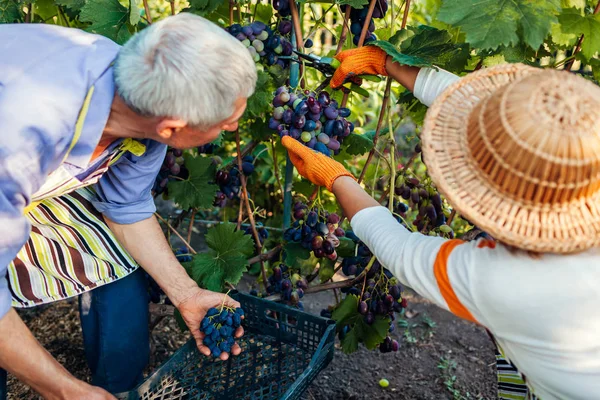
(516, 150)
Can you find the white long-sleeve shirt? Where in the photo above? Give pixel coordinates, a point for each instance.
(544, 312)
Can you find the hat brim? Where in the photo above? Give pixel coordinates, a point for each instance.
(565, 228)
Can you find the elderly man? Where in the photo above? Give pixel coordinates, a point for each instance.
(78, 110)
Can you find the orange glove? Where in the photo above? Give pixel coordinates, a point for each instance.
(366, 60)
(316, 167)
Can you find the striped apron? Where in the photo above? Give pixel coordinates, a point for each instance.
(70, 249)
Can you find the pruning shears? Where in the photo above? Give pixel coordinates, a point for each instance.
(327, 66)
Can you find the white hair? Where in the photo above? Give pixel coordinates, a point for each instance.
(184, 67)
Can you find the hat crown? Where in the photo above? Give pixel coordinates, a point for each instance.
(538, 138)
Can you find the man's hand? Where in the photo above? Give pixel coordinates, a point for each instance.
(366, 60)
(195, 306)
(316, 167)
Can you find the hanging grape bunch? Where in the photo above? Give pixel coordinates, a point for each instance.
(316, 230)
(423, 198)
(358, 17)
(291, 287)
(172, 168)
(229, 181)
(261, 41)
(263, 233)
(207, 148)
(283, 8)
(379, 293)
(314, 119)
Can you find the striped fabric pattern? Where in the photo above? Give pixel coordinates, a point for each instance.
(511, 383)
(70, 251)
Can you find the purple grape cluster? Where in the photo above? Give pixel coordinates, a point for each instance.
(424, 199)
(229, 181)
(261, 41)
(263, 233)
(358, 17)
(291, 287)
(283, 9)
(172, 167)
(207, 148)
(379, 295)
(219, 328)
(316, 230)
(314, 119)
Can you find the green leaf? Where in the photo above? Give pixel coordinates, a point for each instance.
(226, 261)
(203, 7)
(259, 130)
(346, 247)
(195, 191)
(345, 311)
(134, 12)
(491, 23)
(108, 18)
(374, 334)
(295, 252)
(426, 46)
(45, 9)
(358, 144)
(572, 22)
(595, 64)
(73, 5)
(350, 342)
(264, 12)
(358, 4)
(262, 97)
(326, 269)
(10, 12)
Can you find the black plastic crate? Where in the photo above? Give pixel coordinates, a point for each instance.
(283, 350)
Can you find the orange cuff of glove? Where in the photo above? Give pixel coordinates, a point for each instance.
(329, 172)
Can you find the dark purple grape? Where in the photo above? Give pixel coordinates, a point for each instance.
(324, 99)
(363, 308)
(299, 121)
(369, 318)
(328, 128)
(299, 214)
(328, 247)
(170, 160)
(344, 112)
(319, 253)
(301, 108)
(333, 144)
(339, 232)
(308, 43)
(312, 218)
(338, 128)
(431, 214)
(175, 169)
(273, 123)
(333, 218)
(331, 112)
(285, 26)
(322, 229)
(177, 152)
(395, 292)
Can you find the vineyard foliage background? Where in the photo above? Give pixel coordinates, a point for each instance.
(451, 34)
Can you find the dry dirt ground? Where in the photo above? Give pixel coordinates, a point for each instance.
(441, 356)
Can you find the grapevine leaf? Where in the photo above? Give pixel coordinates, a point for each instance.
(357, 4)
(346, 247)
(595, 64)
(134, 12)
(195, 191)
(572, 3)
(491, 23)
(204, 7)
(259, 130)
(295, 252)
(358, 144)
(426, 46)
(9, 12)
(73, 5)
(350, 342)
(346, 311)
(226, 261)
(572, 22)
(372, 335)
(261, 99)
(326, 269)
(264, 12)
(108, 18)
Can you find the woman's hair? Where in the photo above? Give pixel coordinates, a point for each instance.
(184, 67)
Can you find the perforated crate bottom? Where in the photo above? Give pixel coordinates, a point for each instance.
(264, 370)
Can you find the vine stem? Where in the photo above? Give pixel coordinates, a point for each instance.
(29, 15)
(451, 217)
(189, 234)
(344, 33)
(176, 233)
(580, 41)
(386, 97)
(298, 33)
(276, 170)
(172, 7)
(240, 214)
(248, 209)
(231, 13)
(365, 28)
(147, 9)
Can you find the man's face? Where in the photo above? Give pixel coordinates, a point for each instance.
(189, 137)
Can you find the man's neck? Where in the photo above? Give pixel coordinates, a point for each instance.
(123, 122)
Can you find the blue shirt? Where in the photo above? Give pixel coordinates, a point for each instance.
(45, 74)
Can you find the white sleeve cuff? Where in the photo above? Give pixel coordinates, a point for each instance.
(431, 83)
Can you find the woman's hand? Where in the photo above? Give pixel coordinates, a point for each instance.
(366, 60)
(316, 167)
(196, 305)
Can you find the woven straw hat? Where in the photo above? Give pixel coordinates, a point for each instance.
(516, 150)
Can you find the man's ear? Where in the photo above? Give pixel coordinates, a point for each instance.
(167, 127)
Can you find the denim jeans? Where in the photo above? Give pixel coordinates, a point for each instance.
(114, 321)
